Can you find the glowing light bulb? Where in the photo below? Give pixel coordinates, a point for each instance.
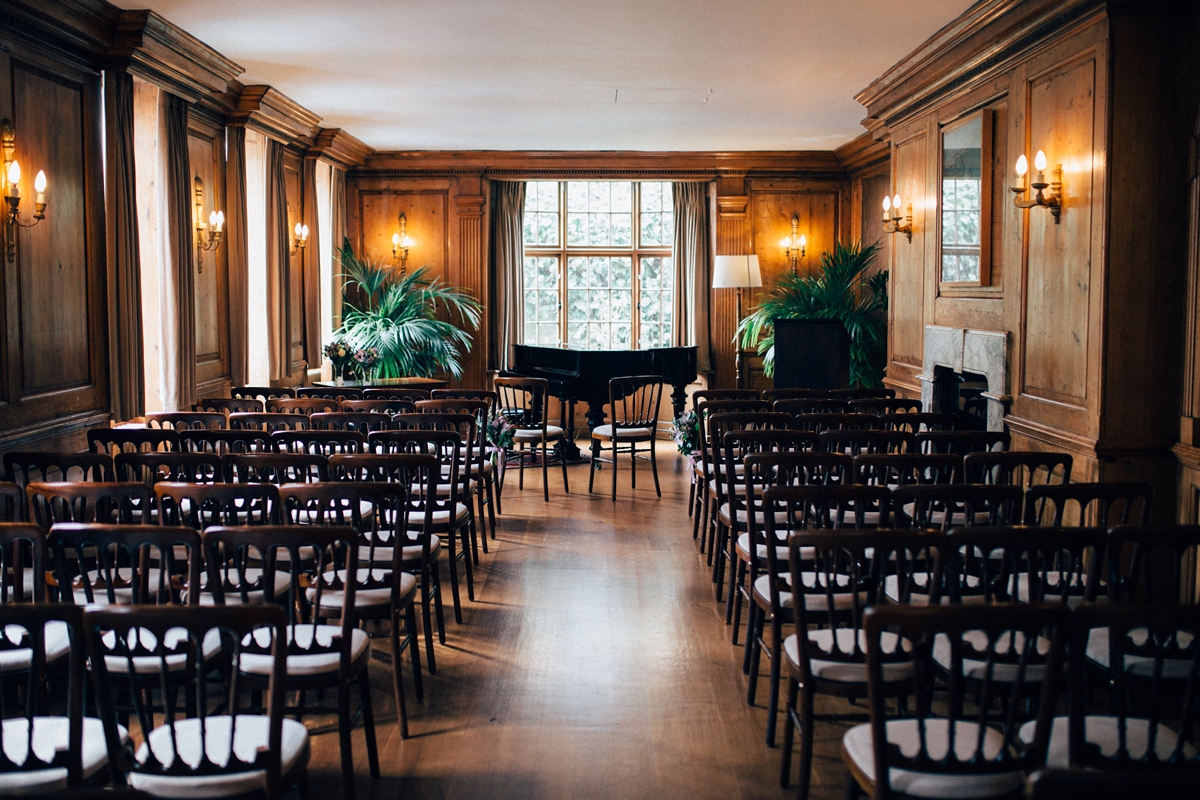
(1039, 161)
(220, 220)
(1022, 165)
(39, 184)
(395, 240)
(14, 178)
(785, 242)
(896, 204)
(304, 233)
(887, 208)
(803, 241)
(297, 230)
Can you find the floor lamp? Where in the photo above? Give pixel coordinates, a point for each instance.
(737, 272)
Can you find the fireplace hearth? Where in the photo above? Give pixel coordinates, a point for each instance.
(965, 371)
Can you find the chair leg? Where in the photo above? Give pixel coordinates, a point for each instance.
(473, 528)
(806, 743)
(702, 517)
(734, 601)
(498, 481)
(789, 733)
(368, 712)
(493, 502)
(437, 609)
(697, 502)
(398, 670)
(467, 533)
(616, 449)
(691, 501)
(563, 463)
(427, 599)
(343, 693)
(754, 654)
(545, 473)
(737, 576)
(633, 465)
(414, 650)
(521, 467)
(773, 682)
(452, 562)
(481, 515)
(654, 466)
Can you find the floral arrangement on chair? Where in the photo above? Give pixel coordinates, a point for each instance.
(339, 355)
(500, 431)
(685, 430)
(365, 361)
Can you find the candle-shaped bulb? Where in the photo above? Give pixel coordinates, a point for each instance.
(1022, 165)
(395, 240)
(220, 221)
(803, 241)
(297, 230)
(887, 204)
(39, 183)
(896, 206)
(304, 233)
(1039, 161)
(14, 178)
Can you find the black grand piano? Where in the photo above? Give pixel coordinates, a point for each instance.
(583, 375)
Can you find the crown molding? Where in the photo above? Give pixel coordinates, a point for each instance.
(78, 30)
(157, 51)
(339, 147)
(863, 152)
(268, 110)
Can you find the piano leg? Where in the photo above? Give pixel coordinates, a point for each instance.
(679, 399)
(567, 448)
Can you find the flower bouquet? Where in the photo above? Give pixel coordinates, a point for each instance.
(339, 355)
(364, 363)
(685, 430)
(500, 430)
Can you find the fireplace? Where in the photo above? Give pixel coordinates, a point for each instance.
(966, 371)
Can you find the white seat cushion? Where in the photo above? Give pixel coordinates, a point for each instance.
(812, 602)
(313, 664)
(976, 669)
(905, 733)
(58, 644)
(845, 671)
(123, 591)
(781, 552)
(252, 575)
(364, 598)
(416, 520)
(1103, 731)
(920, 591)
(1141, 666)
(383, 555)
(50, 734)
(938, 516)
(150, 665)
(535, 434)
(623, 434)
(760, 518)
(249, 736)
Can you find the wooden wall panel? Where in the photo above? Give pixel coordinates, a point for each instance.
(907, 280)
(772, 211)
(293, 166)
(206, 149)
(426, 211)
(471, 275)
(733, 238)
(1061, 122)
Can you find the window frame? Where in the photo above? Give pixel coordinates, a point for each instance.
(636, 251)
(986, 116)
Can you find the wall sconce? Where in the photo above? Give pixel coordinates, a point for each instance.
(12, 190)
(891, 217)
(208, 235)
(1054, 201)
(796, 245)
(401, 242)
(300, 238)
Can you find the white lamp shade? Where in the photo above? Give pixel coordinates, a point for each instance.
(736, 272)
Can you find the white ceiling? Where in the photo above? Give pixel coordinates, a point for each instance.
(544, 74)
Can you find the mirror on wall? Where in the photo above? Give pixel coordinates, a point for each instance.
(965, 200)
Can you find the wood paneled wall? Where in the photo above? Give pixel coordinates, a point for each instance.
(206, 150)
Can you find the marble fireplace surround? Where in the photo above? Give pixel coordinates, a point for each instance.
(965, 350)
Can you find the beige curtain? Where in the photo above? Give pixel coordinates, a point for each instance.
(312, 269)
(128, 385)
(278, 335)
(693, 270)
(508, 268)
(180, 224)
(337, 191)
(239, 269)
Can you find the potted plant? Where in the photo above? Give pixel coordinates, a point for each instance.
(395, 313)
(840, 290)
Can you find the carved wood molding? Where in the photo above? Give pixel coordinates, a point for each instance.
(273, 113)
(338, 146)
(733, 205)
(469, 205)
(516, 165)
(864, 152)
(73, 29)
(157, 51)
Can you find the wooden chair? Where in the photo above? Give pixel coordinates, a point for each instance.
(946, 506)
(384, 513)
(362, 422)
(219, 443)
(229, 405)
(711, 395)
(336, 393)
(885, 405)
(1148, 564)
(863, 394)
(107, 503)
(13, 505)
(48, 744)
(276, 468)
(22, 564)
(300, 405)
(947, 747)
(703, 469)
(635, 402)
(918, 423)
(201, 505)
(829, 421)
(186, 420)
(489, 397)
(812, 405)
(1021, 468)
(24, 468)
(1104, 505)
(247, 749)
(902, 469)
(268, 421)
(479, 467)
(775, 395)
(321, 570)
(792, 509)
(114, 441)
(99, 565)
(411, 395)
(525, 402)
(1023, 565)
(853, 442)
(962, 442)
(377, 406)
(260, 392)
(325, 443)
(150, 468)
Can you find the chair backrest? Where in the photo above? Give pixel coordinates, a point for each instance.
(268, 421)
(1018, 468)
(22, 563)
(197, 650)
(1153, 657)
(378, 406)
(490, 397)
(336, 393)
(361, 421)
(25, 468)
(125, 564)
(855, 441)
(200, 505)
(1023, 565)
(962, 442)
(260, 392)
(150, 468)
(411, 395)
(885, 405)
(1104, 505)
(276, 468)
(227, 405)
(463, 451)
(300, 405)
(775, 395)
(454, 405)
(707, 408)
(114, 441)
(13, 504)
(966, 644)
(710, 395)
(719, 424)
(186, 420)
(918, 423)
(1152, 564)
(862, 393)
(107, 503)
(25, 632)
(811, 405)
(451, 448)
(635, 401)
(524, 401)
(829, 505)
(324, 443)
(946, 506)
(902, 469)
(227, 441)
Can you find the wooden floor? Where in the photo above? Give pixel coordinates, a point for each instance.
(593, 663)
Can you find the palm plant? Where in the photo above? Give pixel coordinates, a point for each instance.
(396, 314)
(839, 290)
